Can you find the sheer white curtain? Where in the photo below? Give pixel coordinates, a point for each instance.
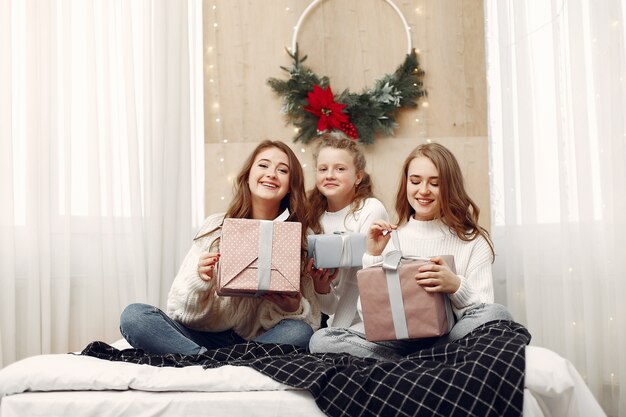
(101, 163)
(557, 94)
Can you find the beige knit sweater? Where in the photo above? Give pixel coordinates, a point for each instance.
(195, 303)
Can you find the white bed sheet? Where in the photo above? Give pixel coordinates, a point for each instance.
(75, 385)
(286, 403)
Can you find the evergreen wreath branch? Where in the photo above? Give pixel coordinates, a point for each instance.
(307, 98)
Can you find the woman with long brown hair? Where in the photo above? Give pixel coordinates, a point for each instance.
(270, 186)
(436, 217)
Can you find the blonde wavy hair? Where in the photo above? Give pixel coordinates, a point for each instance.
(318, 204)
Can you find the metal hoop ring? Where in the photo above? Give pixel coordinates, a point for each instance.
(314, 3)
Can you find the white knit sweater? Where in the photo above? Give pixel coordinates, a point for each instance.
(472, 259)
(340, 302)
(194, 302)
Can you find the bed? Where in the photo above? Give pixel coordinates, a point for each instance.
(257, 380)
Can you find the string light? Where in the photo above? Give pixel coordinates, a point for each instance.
(214, 90)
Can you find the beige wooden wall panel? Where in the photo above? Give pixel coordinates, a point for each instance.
(354, 42)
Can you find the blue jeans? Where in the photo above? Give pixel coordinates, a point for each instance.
(148, 328)
(338, 340)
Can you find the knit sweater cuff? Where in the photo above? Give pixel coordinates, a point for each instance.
(369, 260)
(464, 296)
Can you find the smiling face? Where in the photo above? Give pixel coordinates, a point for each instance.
(269, 177)
(336, 177)
(422, 188)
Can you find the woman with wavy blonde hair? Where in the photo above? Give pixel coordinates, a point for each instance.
(341, 201)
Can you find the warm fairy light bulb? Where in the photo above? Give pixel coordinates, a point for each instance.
(217, 119)
(211, 66)
(428, 141)
(210, 80)
(214, 7)
(573, 323)
(287, 9)
(417, 120)
(216, 105)
(221, 159)
(225, 141)
(303, 165)
(296, 130)
(222, 197)
(425, 104)
(302, 150)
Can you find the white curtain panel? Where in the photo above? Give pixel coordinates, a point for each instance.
(100, 163)
(557, 105)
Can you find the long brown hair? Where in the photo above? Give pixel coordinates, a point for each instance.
(457, 210)
(318, 204)
(295, 199)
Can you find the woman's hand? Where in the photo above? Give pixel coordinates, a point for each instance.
(288, 303)
(436, 276)
(378, 235)
(206, 265)
(321, 277)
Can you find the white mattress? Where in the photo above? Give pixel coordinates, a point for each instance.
(152, 404)
(72, 385)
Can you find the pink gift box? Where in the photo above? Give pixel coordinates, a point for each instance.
(416, 313)
(259, 256)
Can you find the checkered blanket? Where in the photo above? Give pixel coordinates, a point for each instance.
(479, 375)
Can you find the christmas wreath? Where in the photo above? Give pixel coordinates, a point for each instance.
(310, 105)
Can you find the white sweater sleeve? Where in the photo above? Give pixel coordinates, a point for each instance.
(193, 301)
(477, 283)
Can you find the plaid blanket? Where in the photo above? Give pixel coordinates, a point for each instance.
(479, 375)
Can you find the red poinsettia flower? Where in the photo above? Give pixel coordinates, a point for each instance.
(323, 105)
